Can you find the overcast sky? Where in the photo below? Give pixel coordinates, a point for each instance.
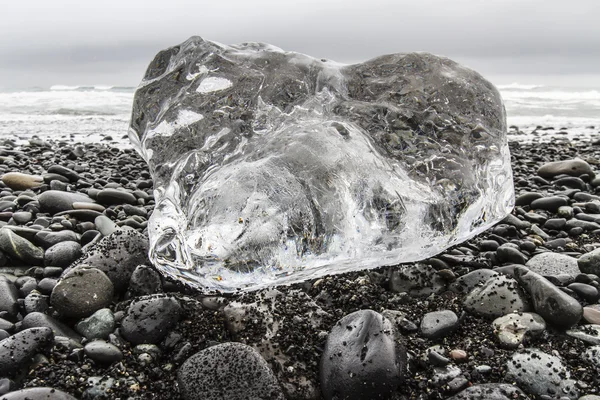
(46, 42)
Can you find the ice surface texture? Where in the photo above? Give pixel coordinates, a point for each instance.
(272, 167)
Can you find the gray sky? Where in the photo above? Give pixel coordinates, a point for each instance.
(46, 42)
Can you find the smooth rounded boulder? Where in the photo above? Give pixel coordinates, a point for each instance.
(361, 358)
(232, 371)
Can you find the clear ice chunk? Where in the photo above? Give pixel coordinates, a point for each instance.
(272, 167)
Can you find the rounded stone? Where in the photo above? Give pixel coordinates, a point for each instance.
(552, 304)
(115, 197)
(361, 358)
(538, 373)
(552, 203)
(103, 352)
(18, 349)
(62, 254)
(117, 255)
(64, 171)
(592, 314)
(150, 318)
(575, 167)
(490, 391)
(437, 324)
(589, 263)
(20, 181)
(38, 393)
(512, 329)
(20, 248)
(232, 371)
(549, 263)
(98, 325)
(55, 201)
(498, 296)
(81, 292)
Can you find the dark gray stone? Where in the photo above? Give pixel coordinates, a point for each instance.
(498, 296)
(18, 349)
(467, 282)
(232, 371)
(98, 325)
(551, 203)
(117, 255)
(115, 196)
(20, 248)
(81, 292)
(144, 281)
(103, 352)
(55, 201)
(150, 318)
(556, 307)
(361, 358)
(64, 171)
(48, 239)
(416, 280)
(589, 263)
(62, 254)
(38, 319)
(437, 324)
(8, 297)
(575, 167)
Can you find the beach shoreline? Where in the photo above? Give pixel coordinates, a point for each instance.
(290, 327)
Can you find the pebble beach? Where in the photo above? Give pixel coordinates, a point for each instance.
(513, 313)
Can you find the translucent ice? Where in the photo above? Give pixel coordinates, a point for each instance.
(272, 167)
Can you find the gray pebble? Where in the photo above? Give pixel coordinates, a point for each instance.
(103, 352)
(81, 292)
(438, 324)
(16, 350)
(98, 325)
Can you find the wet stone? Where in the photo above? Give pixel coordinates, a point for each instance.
(498, 296)
(98, 325)
(18, 349)
(553, 305)
(117, 255)
(589, 263)
(150, 318)
(539, 374)
(589, 334)
(55, 201)
(62, 254)
(81, 292)
(103, 352)
(361, 358)
(512, 329)
(552, 203)
(20, 248)
(438, 324)
(39, 319)
(573, 167)
(550, 263)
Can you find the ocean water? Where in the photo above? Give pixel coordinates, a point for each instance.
(93, 113)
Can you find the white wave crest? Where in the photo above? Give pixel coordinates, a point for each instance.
(518, 86)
